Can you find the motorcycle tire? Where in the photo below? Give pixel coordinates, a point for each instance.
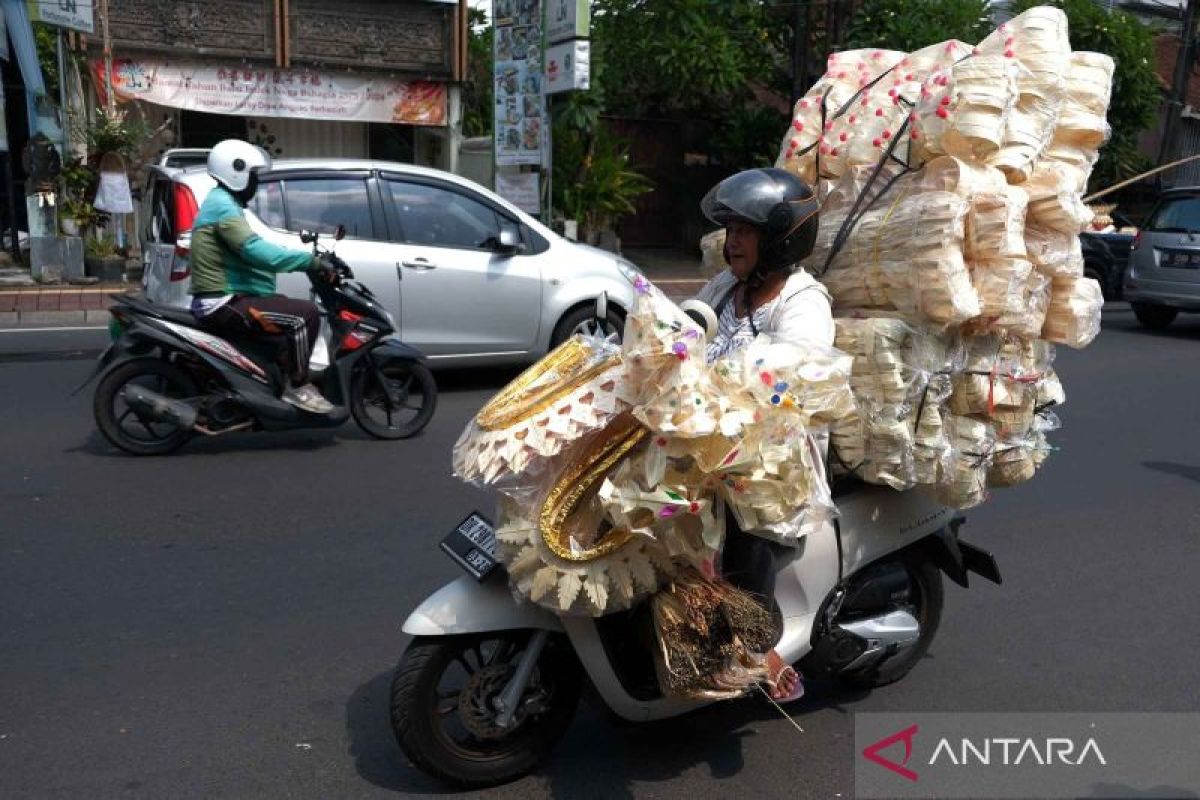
(499, 756)
(365, 391)
(926, 581)
(175, 382)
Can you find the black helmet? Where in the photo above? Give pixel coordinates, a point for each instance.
(776, 202)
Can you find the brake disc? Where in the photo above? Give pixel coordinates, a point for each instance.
(475, 702)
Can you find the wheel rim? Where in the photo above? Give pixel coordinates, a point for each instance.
(462, 711)
(596, 328)
(142, 429)
(407, 395)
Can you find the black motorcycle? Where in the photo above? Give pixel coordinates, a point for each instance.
(165, 380)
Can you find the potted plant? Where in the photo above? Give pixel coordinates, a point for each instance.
(76, 213)
(103, 261)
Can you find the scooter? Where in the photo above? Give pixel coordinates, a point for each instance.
(488, 685)
(164, 380)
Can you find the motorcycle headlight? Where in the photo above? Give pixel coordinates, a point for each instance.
(629, 270)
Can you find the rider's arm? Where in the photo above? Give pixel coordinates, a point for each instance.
(806, 316)
(237, 234)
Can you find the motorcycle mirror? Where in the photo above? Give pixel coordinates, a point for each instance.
(702, 314)
(308, 237)
(602, 307)
(339, 233)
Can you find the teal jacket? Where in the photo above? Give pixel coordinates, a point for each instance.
(230, 258)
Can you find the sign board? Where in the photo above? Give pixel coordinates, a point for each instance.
(567, 19)
(521, 189)
(267, 92)
(73, 14)
(520, 113)
(568, 66)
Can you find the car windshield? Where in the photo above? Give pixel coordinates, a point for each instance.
(1176, 215)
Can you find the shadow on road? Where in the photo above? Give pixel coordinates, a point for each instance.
(586, 765)
(1191, 473)
(301, 441)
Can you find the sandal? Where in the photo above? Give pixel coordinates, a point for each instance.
(797, 691)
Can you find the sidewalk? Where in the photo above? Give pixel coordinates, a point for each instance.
(29, 306)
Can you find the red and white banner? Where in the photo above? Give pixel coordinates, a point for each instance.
(263, 92)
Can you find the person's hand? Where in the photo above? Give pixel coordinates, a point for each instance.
(325, 270)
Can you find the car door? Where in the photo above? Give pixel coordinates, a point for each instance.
(157, 237)
(290, 202)
(458, 295)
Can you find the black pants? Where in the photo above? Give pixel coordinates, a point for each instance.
(290, 326)
(750, 562)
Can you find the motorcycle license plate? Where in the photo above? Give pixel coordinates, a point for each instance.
(472, 545)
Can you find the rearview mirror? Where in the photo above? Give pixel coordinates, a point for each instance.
(308, 237)
(339, 233)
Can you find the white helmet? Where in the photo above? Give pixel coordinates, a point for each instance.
(231, 162)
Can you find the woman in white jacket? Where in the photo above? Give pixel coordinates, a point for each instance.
(770, 221)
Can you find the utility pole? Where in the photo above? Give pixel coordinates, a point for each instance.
(1184, 63)
(111, 102)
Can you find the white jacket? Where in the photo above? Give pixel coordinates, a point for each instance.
(802, 313)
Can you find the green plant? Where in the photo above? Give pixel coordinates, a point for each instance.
(593, 181)
(101, 248)
(77, 178)
(1136, 92)
(83, 213)
(116, 133)
(906, 25)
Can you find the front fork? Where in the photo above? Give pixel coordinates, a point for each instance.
(509, 699)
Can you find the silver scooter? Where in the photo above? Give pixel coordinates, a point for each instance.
(488, 685)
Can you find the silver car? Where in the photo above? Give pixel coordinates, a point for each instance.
(470, 278)
(1164, 264)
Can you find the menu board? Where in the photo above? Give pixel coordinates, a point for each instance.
(520, 102)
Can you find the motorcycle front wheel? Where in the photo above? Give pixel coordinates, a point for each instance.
(399, 405)
(443, 712)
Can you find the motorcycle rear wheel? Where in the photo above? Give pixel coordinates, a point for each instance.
(122, 425)
(448, 732)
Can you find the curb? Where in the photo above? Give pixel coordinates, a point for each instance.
(33, 319)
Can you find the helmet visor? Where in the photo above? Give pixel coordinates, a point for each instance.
(747, 196)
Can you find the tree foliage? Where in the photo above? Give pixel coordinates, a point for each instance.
(477, 98)
(907, 25)
(1136, 90)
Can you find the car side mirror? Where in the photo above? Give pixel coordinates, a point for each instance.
(508, 240)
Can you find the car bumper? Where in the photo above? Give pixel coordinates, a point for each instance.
(1185, 296)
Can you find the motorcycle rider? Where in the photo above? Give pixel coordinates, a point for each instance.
(234, 269)
(770, 219)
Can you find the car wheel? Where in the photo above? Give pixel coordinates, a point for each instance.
(583, 320)
(1154, 317)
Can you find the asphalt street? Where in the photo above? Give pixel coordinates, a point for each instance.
(224, 622)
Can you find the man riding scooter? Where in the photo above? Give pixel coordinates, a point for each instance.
(234, 269)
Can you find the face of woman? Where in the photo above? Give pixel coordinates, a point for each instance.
(741, 248)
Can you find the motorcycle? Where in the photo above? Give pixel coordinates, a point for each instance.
(488, 685)
(164, 380)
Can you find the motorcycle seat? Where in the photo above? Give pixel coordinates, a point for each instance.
(180, 316)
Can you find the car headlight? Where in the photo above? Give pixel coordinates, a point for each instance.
(629, 270)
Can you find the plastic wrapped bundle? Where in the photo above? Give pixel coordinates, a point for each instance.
(963, 481)
(1082, 125)
(963, 109)
(931, 445)
(998, 372)
(662, 346)
(712, 249)
(1017, 457)
(1054, 198)
(964, 178)
(925, 231)
(877, 448)
(996, 224)
(1036, 297)
(1037, 40)
(1058, 254)
(1073, 317)
(848, 72)
(572, 391)
(1002, 286)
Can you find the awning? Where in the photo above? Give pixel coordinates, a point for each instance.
(20, 33)
(251, 91)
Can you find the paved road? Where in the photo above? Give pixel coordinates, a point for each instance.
(223, 623)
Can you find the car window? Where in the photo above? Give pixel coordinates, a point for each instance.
(267, 204)
(321, 204)
(1177, 214)
(432, 215)
(162, 216)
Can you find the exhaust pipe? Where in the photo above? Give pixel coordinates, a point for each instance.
(164, 409)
